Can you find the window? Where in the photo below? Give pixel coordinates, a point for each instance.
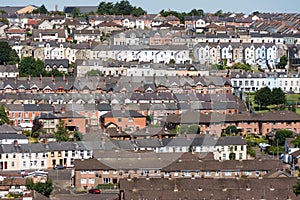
(105, 171)
(83, 171)
(248, 173)
(227, 173)
(6, 155)
(208, 173)
(119, 119)
(42, 163)
(24, 163)
(257, 173)
(12, 163)
(91, 172)
(83, 181)
(224, 156)
(106, 180)
(91, 181)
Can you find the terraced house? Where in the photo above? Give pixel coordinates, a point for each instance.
(41, 155)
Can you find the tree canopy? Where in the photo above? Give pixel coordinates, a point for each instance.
(40, 10)
(42, 188)
(283, 62)
(231, 130)
(280, 136)
(119, 8)
(278, 96)
(296, 188)
(3, 116)
(30, 66)
(75, 12)
(263, 96)
(7, 54)
(62, 134)
(266, 97)
(181, 15)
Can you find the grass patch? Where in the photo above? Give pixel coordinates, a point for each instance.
(293, 97)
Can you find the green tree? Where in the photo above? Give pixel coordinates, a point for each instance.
(296, 142)
(251, 152)
(36, 128)
(62, 134)
(123, 7)
(42, 188)
(4, 21)
(296, 188)
(196, 12)
(13, 57)
(263, 97)
(231, 130)
(78, 136)
(5, 50)
(280, 136)
(278, 96)
(75, 12)
(138, 12)
(41, 10)
(219, 13)
(29, 184)
(193, 129)
(105, 8)
(3, 116)
(274, 150)
(283, 62)
(30, 66)
(183, 129)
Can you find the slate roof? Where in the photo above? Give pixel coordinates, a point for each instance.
(56, 62)
(191, 117)
(187, 188)
(7, 129)
(61, 32)
(8, 68)
(4, 136)
(126, 113)
(189, 162)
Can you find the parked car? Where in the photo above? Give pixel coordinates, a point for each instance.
(58, 167)
(95, 191)
(23, 172)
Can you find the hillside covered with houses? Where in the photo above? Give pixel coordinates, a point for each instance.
(176, 102)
